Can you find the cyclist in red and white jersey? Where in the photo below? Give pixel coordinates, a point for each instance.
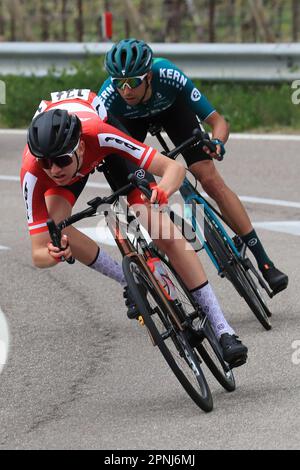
(67, 139)
(98, 140)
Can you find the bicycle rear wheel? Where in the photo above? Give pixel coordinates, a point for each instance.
(236, 273)
(171, 341)
(254, 282)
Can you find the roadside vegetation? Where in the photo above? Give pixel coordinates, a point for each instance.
(247, 106)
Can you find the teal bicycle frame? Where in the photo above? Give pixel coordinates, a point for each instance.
(193, 201)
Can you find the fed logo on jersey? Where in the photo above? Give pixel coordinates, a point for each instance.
(195, 95)
(112, 140)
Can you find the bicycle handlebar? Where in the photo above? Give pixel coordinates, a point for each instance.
(143, 185)
(55, 234)
(55, 230)
(198, 136)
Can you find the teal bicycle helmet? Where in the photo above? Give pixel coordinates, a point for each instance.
(128, 58)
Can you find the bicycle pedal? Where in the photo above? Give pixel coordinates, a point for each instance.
(238, 362)
(193, 338)
(238, 242)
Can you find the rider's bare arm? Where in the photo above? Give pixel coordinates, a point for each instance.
(171, 171)
(45, 255)
(220, 127)
(74, 242)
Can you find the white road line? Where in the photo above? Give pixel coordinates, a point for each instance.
(272, 202)
(276, 137)
(234, 135)
(283, 226)
(13, 131)
(99, 234)
(103, 234)
(98, 185)
(4, 247)
(254, 200)
(4, 340)
(90, 185)
(9, 178)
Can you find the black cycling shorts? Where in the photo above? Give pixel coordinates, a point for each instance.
(115, 168)
(77, 188)
(178, 121)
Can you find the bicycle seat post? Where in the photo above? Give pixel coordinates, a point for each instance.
(156, 131)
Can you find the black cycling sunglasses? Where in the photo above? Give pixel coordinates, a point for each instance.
(61, 161)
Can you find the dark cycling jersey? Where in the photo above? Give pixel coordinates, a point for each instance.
(167, 83)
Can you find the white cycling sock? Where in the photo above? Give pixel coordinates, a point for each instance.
(205, 297)
(106, 265)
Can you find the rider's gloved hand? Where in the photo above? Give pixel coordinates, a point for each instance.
(220, 149)
(220, 146)
(56, 253)
(158, 196)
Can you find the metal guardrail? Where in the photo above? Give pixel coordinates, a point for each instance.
(257, 62)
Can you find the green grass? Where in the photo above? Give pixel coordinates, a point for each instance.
(250, 106)
(246, 106)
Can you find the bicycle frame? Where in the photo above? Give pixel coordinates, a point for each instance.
(125, 246)
(193, 200)
(181, 322)
(127, 249)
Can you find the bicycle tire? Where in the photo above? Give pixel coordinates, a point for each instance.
(253, 281)
(235, 273)
(222, 374)
(217, 366)
(143, 289)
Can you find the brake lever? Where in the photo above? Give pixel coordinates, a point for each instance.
(212, 147)
(55, 234)
(142, 185)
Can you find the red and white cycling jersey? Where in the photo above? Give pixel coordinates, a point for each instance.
(100, 140)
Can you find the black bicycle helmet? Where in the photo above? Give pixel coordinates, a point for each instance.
(53, 133)
(128, 58)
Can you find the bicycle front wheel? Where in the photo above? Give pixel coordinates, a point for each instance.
(210, 351)
(236, 273)
(172, 342)
(208, 347)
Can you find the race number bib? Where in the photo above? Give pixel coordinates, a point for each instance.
(82, 94)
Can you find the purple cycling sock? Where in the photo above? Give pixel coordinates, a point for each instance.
(107, 266)
(207, 300)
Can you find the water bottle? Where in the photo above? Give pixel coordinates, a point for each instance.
(161, 275)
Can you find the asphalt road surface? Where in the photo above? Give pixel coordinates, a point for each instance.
(80, 375)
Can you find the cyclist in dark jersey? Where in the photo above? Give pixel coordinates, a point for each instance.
(141, 92)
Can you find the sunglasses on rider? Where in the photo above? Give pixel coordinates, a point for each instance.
(61, 161)
(131, 82)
